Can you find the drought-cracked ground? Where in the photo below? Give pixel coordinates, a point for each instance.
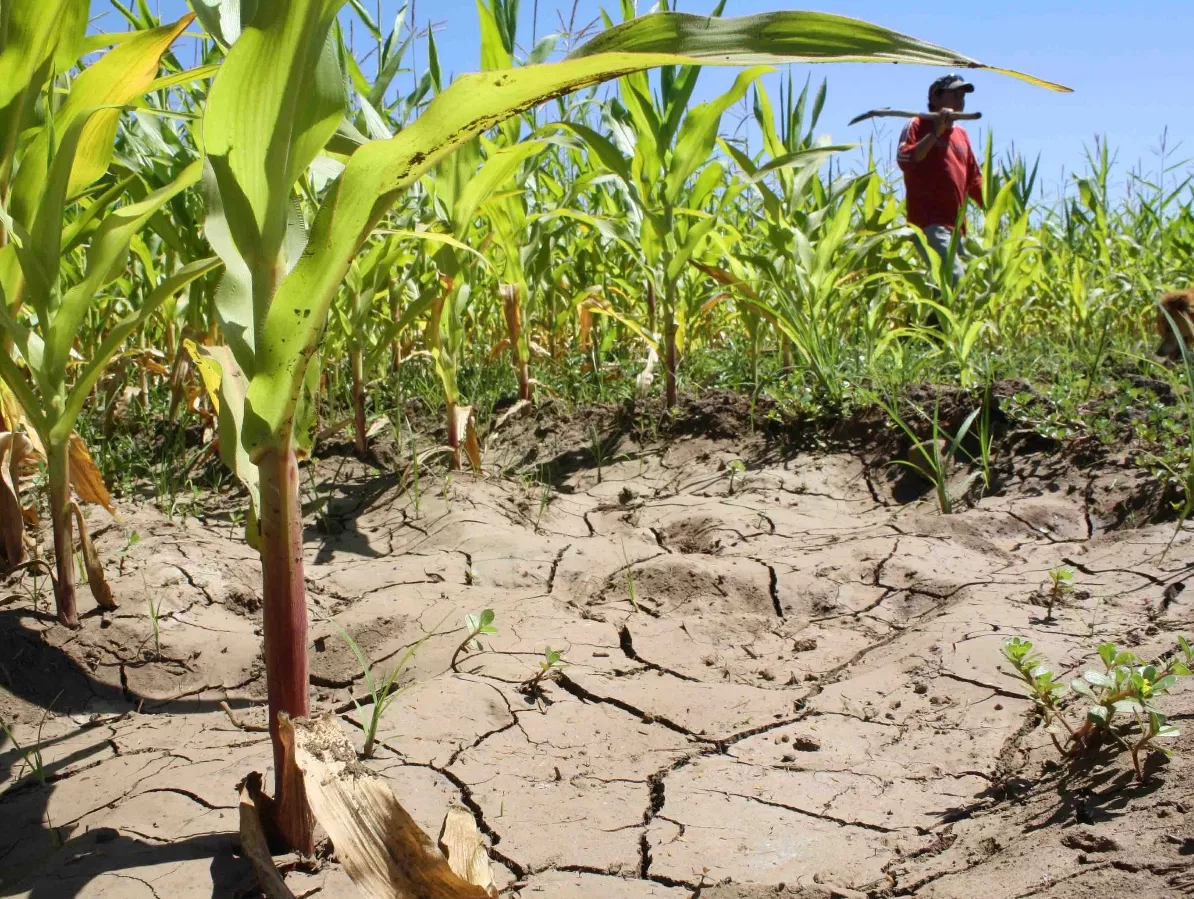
(778, 683)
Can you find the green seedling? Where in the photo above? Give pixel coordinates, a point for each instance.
(381, 693)
(597, 448)
(132, 540)
(154, 618)
(985, 438)
(416, 490)
(480, 625)
(629, 578)
(551, 662)
(736, 467)
(1121, 698)
(1061, 585)
(445, 489)
(31, 758)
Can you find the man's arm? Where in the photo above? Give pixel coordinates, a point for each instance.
(920, 137)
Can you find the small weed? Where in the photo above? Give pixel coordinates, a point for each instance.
(31, 757)
(544, 502)
(736, 467)
(480, 625)
(597, 448)
(985, 438)
(154, 618)
(1121, 697)
(629, 578)
(445, 488)
(132, 540)
(931, 458)
(551, 662)
(381, 693)
(1061, 585)
(416, 488)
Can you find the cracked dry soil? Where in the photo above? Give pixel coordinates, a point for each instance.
(801, 697)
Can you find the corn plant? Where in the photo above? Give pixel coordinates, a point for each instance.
(44, 172)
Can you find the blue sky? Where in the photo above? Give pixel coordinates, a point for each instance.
(1130, 67)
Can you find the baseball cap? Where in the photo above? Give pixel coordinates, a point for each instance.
(950, 82)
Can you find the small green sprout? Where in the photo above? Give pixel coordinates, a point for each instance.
(1061, 585)
(736, 467)
(480, 625)
(551, 662)
(381, 693)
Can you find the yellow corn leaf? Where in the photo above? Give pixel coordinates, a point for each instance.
(85, 477)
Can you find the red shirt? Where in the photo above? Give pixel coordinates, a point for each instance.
(939, 184)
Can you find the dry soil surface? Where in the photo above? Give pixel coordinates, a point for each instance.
(780, 683)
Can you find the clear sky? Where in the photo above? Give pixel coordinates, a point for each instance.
(1131, 66)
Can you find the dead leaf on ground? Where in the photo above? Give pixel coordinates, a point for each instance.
(381, 847)
(253, 842)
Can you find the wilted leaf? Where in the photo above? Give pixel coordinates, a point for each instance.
(254, 843)
(462, 844)
(91, 561)
(85, 477)
(381, 847)
(14, 449)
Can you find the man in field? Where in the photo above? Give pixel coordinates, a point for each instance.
(939, 168)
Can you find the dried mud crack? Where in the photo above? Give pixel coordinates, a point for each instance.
(798, 682)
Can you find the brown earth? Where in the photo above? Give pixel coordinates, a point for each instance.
(790, 688)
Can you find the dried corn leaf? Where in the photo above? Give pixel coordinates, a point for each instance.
(85, 477)
(461, 843)
(91, 561)
(466, 436)
(383, 850)
(254, 844)
(14, 449)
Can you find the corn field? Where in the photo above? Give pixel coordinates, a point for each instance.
(210, 271)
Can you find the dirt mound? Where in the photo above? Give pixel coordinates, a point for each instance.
(780, 681)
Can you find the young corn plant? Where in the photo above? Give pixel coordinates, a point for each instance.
(44, 172)
(931, 458)
(276, 102)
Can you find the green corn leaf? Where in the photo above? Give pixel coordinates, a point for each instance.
(40, 40)
(120, 332)
(98, 94)
(108, 246)
(275, 103)
(698, 134)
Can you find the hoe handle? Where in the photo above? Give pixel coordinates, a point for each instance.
(907, 114)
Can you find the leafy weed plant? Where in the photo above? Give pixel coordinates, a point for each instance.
(1121, 699)
(477, 626)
